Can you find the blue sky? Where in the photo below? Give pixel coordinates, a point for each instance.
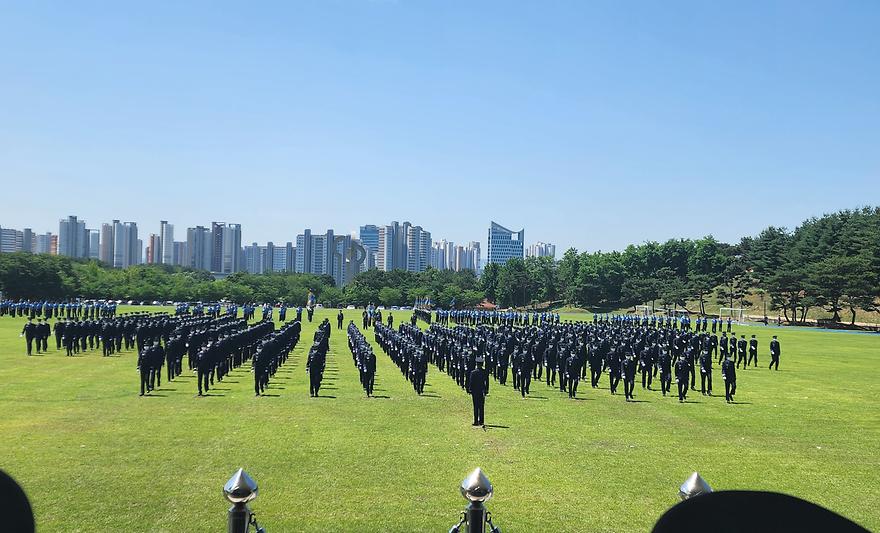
(591, 124)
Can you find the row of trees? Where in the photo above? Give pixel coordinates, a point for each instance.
(54, 277)
(832, 262)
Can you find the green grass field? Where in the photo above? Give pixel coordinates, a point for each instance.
(93, 456)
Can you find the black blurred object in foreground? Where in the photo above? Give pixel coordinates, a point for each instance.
(736, 511)
(17, 516)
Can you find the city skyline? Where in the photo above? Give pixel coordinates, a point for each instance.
(221, 249)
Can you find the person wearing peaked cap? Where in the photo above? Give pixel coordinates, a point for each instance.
(741, 346)
(753, 351)
(728, 374)
(775, 351)
(479, 389)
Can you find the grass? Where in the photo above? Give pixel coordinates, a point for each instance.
(93, 456)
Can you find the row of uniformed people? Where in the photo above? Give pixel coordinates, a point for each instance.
(272, 351)
(404, 349)
(363, 357)
(49, 309)
(474, 317)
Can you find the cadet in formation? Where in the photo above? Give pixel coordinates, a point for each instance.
(317, 358)
(363, 357)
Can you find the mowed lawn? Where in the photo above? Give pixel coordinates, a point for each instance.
(93, 456)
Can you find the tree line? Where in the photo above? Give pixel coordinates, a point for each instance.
(830, 262)
(43, 276)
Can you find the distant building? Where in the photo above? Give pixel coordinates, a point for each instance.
(73, 239)
(504, 244)
(199, 248)
(10, 240)
(154, 249)
(107, 240)
(418, 249)
(46, 244)
(231, 249)
(541, 249)
(401, 247)
(127, 248)
(94, 244)
(314, 253)
(255, 259)
(445, 255)
(369, 239)
(179, 253)
(439, 259)
(165, 253)
(289, 257)
(217, 246)
(28, 243)
(279, 258)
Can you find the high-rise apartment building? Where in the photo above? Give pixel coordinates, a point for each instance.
(94, 244)
(73, 239)
(10, 240)
(166, 244)
(541, 249)
(107, 241)
(199, 248)
(126, 245)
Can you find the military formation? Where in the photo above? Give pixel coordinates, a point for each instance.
(525, 348)
(626, 348)
(110, 334)
(477, 317)
(272, 351)
(363, 357)
(317, 359)
(405, 349)
(79, 310)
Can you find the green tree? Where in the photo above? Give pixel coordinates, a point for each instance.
(490, 281)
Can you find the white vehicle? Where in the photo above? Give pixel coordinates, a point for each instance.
(350, 307)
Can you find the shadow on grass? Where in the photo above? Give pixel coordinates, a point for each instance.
(494, 426)
(431, 396)
(325, 396)
(271, 395)
(381, 397)
(154, 396)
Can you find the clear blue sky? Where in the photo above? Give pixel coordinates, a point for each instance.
(591, 124)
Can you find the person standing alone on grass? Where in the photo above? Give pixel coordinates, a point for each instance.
(479, 389)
